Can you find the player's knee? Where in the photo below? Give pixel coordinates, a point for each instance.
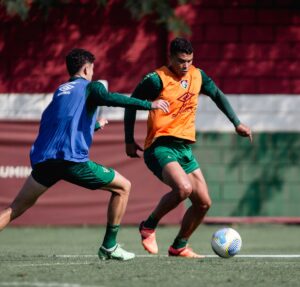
(185, 190)
(205, 206)
(126, 187)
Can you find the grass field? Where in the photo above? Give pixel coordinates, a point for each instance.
(66, 257)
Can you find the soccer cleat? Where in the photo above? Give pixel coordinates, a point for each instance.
(184, 252)
(117, 253)
(148, 239)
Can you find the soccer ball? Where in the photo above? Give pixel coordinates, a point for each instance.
(226, 242)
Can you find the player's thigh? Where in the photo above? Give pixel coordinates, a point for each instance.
(30, 192)
(200, 193)
(157, 157)
(176, 172)
(174, 176)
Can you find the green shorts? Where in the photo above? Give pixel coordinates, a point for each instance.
(86, 174)
(168, 149)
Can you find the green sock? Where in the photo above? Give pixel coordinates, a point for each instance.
(151, 222)
(110, 238)
(179, 243)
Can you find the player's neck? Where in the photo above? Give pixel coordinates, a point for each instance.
(174, 72)
(79, 75)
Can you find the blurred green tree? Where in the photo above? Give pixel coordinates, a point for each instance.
(162, 10)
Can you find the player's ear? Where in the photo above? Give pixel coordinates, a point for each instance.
(85, 71)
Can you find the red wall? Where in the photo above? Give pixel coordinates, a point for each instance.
(32, 52)
(246, 46)
(65, 203)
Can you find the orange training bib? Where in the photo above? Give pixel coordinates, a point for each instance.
(182, 95)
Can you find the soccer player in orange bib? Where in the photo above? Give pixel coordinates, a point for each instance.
(167, 150)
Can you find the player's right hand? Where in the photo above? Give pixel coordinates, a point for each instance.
(102, 122)
(244, 131)
(161, 104)
(132, 148)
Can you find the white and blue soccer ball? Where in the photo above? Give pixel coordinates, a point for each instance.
(226, 242)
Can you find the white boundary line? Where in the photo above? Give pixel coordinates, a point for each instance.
(56, 284)
(208, 256)
(52, 264)
(138, 256)
(45, 284)
(65, 256)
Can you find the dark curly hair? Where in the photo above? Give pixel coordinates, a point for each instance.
(77, 58)
(180, 45)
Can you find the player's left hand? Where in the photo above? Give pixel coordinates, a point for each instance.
(244, 131)
(102, 122)
(132, 148)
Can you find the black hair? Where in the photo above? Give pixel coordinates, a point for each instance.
(180, 45)
(77, 58)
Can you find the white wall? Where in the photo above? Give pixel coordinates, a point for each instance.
(261, 112)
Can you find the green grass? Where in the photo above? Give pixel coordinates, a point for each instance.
(31, 257)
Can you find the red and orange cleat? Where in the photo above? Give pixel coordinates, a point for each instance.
(148, 239)
(184, 252)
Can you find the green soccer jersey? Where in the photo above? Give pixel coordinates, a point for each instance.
(150, 88)
(97, 95)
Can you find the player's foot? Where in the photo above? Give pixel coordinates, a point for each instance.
(184, 252)
(116, 253)
(148, 239)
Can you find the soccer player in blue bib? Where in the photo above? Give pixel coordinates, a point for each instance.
(61, 149)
